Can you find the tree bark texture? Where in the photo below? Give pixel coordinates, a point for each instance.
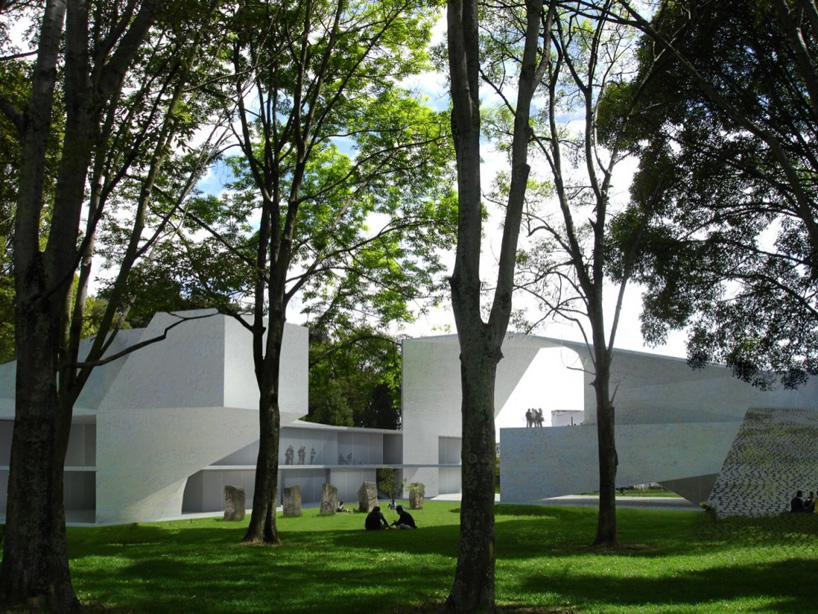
(480, 342)
(262, 528)
(35, 559)
(473, 588)
(608, 461)
(35, 562)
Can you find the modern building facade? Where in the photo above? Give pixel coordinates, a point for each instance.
(159, 433)
(674, 425)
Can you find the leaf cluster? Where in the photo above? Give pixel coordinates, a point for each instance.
(354, 378)
(340, 185)
(732, 253)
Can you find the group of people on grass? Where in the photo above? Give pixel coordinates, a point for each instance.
(801, 506)
(375, 520)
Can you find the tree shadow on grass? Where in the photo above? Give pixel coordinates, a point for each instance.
(160, 570)
(248, 579)
(772, 582)
(168, 568)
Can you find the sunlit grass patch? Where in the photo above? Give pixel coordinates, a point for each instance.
(670, 561)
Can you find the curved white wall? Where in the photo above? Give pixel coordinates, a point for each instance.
(673, 423)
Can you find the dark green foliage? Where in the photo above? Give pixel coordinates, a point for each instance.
(15, 86)
(193, 272)
(355, 380)
(727, 158)
(389, 481)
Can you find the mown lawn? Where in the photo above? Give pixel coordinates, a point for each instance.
(670, 562)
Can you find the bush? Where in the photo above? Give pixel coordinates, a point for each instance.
(388, 480)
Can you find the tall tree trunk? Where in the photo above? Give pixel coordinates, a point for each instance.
(263, 527)
(35, 559)
(473, 588)
(608, 461)
(35, 562)
(481, 343)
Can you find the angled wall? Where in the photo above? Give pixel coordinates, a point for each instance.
(772, 457)
(167, 414)
(674, 425)
(540, 463)
(431, 398)
(144, 458)
(97, 386)
(662, 389)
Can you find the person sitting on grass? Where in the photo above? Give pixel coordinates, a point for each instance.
(375, 520)
(809, 504)
(405, 520)
(797, 503)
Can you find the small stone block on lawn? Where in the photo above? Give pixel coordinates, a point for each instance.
(234, 503)
(292, 501)
(367, 497)
(329, 499)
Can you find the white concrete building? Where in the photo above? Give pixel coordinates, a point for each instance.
(674, 425)
(158, 433)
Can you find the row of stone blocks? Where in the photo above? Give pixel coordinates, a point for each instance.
(235, 500)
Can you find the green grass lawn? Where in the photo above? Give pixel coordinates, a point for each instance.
(671, 562)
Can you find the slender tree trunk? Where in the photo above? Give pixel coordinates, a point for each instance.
(473, 588)
(481, 343)
(608, 461)
(35, 563)
(262, 527)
